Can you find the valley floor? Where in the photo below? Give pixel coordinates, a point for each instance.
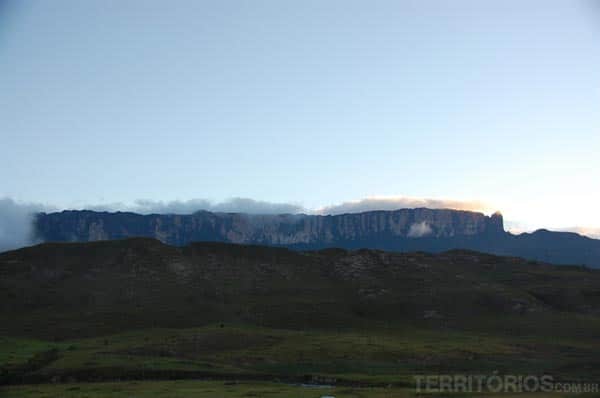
(251, 361)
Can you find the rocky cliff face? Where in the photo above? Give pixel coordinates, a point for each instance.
(283, 230)
(400, 230)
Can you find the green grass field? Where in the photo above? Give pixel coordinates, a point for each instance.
(377, 358)
(196, 389)
(126, 318)
(216, 389)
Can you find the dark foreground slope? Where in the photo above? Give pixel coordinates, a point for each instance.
(431, 230)
(83, 289)
(137, 308)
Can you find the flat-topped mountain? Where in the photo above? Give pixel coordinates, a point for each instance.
(431, 230)
(285, 229)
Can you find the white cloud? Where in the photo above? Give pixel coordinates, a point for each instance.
(419, 230)
(233, 205)
(16, 223)
(402, 202)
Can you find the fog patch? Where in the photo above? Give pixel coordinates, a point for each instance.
(419, 230)
(16, 223)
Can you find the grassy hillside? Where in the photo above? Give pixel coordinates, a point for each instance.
(138, 309)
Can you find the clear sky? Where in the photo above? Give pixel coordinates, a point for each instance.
(311, 102)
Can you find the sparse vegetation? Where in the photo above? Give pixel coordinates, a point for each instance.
(262, 315)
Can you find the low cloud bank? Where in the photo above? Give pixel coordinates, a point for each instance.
(16, 218)
(396, 203)
(16, 223)
(233, 205)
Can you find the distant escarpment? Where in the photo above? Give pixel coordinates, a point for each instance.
(422, 229)
(282, 230)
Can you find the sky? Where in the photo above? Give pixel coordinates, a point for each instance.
(306, 104)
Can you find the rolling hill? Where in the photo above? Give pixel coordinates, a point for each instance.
(137, 308)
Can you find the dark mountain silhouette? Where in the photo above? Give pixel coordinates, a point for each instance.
(422, 229)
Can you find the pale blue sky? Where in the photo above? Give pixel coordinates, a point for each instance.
(311, 102)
